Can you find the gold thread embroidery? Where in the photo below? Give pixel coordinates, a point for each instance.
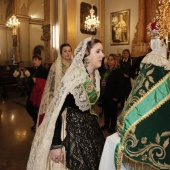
(133, 164)
(144, 117)
(142, 97)
(134, 100)
(92, 111)
(149, 148)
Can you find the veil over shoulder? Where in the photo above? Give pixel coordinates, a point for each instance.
(70, 83)
(52, 83)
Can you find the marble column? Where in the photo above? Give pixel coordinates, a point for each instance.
(142, 21)
(147, 11)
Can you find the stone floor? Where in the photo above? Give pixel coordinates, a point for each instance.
(15, 134)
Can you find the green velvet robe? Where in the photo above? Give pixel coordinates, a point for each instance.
(144, 124)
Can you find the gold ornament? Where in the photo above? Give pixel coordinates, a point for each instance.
(161, 21)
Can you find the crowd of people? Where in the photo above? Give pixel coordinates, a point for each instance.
(61, 100)
(22, 76)
(70, 125)
(115, 87)
(65, 120)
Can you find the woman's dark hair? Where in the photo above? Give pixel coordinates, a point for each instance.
(90, 45)
(64, 45)
(21, 62)
(126, 50)
(37, 56)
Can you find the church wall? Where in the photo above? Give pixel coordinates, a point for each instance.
(35, 31)
(73, 33)
(23, 45)
(5, 45)
(81, 36)
(67, 16)
(31, 15)
(115, 6)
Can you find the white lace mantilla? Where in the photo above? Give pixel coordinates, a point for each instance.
(52, 83)
(70, 83)
(158, 55)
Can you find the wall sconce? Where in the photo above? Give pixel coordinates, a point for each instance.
(14, 24)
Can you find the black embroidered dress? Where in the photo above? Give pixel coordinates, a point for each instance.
(84, 140)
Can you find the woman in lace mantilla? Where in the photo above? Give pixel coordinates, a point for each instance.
(56, 72)
(80, 136)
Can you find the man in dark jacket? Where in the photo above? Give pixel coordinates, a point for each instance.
(37, 82)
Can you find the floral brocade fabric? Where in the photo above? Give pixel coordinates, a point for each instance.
(144, 122)
(84, 141)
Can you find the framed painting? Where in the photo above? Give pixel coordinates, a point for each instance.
(46, 33)
(120, 27)
(84, 12)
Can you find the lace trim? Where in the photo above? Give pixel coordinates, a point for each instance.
(158, 56)
(52, 83)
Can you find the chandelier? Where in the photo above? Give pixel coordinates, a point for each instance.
(13, 23)
(92, 22)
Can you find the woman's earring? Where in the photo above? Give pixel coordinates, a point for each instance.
(86, 62)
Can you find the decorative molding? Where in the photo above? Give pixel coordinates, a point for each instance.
(141, 40)
(36, 21)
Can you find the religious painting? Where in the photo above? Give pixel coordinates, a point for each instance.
(120, 27)
(85, 12)
(45, 33)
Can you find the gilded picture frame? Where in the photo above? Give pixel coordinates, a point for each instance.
(120, 27)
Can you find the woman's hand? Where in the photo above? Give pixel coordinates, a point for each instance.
(56, 155)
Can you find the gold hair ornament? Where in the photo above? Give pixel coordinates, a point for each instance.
(160, 27)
